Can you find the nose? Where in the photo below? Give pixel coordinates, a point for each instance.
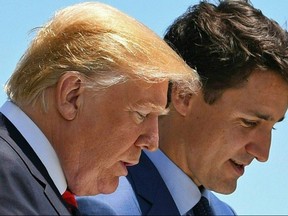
(149, 139)
(260, 148)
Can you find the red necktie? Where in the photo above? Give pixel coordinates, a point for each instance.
(70, 201)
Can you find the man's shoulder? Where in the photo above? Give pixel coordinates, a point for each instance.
(19, 189)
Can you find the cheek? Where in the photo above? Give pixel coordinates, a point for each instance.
(116, 143)
(214, 147)
(128, 132)
(238, 137)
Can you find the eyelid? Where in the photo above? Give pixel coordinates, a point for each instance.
(141, 114)
(139, 117)
(249, 123)
(252, 123)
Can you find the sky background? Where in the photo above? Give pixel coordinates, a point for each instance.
(263, 190)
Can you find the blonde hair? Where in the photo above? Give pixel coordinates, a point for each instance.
(102, 44)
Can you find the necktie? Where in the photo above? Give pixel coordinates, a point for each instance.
(201, 208)
(70, 202)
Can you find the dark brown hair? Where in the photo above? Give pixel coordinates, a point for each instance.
(227, 42)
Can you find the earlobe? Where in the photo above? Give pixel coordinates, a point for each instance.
(181, 100)
(68, 91)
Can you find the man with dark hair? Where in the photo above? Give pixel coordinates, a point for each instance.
(208, 138)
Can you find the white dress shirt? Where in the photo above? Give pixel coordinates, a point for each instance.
(38, 141)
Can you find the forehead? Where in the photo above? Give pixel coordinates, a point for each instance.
(264, 93)
(153, 95)
(265, 83)
(139, 94)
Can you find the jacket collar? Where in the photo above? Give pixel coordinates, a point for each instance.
(150, 189)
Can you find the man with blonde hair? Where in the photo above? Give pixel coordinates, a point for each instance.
(84, 101)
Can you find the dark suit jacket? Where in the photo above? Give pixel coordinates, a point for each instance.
(150, 189)
(25, 185)
(153, 195)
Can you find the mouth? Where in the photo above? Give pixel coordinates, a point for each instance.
(238, 167)
(127, 164)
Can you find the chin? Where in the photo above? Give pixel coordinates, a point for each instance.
(226, 189)
(109, 186)
(222, 187)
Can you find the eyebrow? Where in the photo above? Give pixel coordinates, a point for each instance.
(152, 108)
(267, 117)
(281, 119)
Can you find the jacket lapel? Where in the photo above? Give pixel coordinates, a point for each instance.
(34, 165)
(152, 193)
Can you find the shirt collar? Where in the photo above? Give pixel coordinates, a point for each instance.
(176, 180)
(38, 141)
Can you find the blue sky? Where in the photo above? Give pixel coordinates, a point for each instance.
(264, 187)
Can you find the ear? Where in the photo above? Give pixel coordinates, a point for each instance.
(181, 100)
(68, 91)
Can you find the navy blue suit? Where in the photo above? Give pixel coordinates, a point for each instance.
(150, 189)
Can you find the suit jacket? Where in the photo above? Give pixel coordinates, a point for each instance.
(25, 185)
(151, 191)
(144, 192)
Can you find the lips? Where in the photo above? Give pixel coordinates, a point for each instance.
(130, 163)
(238, 167)
(127, 164)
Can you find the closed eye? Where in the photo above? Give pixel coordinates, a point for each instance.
(249, 124)
(141, 116)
